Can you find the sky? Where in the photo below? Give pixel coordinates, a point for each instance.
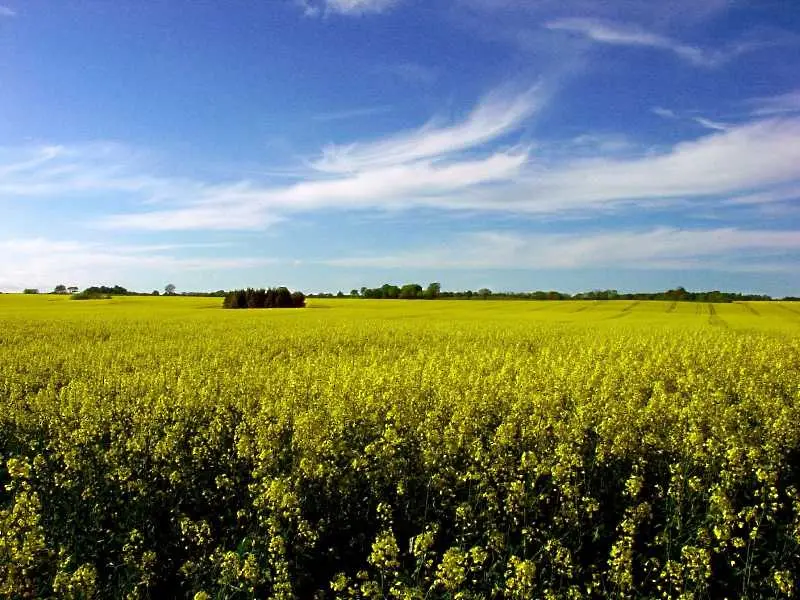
(332, 144)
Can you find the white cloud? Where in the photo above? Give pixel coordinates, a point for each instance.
(82, 170)
(351, 113)
(674, 11)
(253, 207)
(776, 105)
(219, 217)
(607, 32)
(710, 124)
(43, 263)
(667, 113)
(741, 160)
(498, 114)
(441, 166)
(346, 7)
(661, 248)
(5, 11)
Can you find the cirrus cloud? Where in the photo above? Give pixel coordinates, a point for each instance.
(608, 32)
(467, 165)
(314, 8)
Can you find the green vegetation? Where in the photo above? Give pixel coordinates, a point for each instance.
(414, 291)
(279, 297)
(160, 447)
(90, 295)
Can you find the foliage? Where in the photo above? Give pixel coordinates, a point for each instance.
(279, 297)
(415, 291)
(108, 290)
(90, 294)
(439, 450)
(409, 291)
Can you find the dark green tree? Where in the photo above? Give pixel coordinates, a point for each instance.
(410, 291)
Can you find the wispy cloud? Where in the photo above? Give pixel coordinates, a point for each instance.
(5, 11)
(776, 105)
(243, 207)
(44, 263)
(471, 165)
(667, 113)
(346, 7)
(661, 248)
(84, 170)
(689, 169)
(498, 114)
(352, 113)
(710, 124)
(777, 195)
(608, 32)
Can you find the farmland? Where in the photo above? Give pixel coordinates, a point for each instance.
(164, 447)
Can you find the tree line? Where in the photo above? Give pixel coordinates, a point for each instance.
(433, 291)
(414, 291)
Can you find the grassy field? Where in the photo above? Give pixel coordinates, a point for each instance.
(164, 447)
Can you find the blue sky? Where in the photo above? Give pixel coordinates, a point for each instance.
(331, 144)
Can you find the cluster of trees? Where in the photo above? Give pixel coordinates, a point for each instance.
(118, 290)
(486, 293)
(409, 291)
(115, 290)
(678, 294)
(62, 289)
(279, 297)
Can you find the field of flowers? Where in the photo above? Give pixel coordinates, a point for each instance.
(166, 448)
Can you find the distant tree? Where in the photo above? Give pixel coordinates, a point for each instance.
(410, 291)
(354, 293)
(155, 293)
(433, 291)
(60, 289)
(73, 289)
(389, 291)
(340, 294)
(485, 292)
(30, 291)
(169, 289)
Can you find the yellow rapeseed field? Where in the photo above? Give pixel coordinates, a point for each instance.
(166, 448)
